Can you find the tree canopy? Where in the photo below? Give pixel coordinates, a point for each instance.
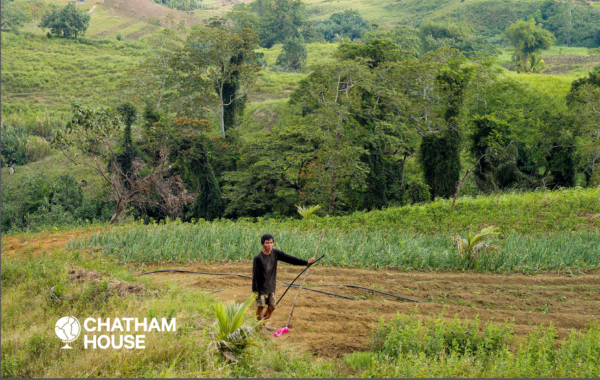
(68, 21)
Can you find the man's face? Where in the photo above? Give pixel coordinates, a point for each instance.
(268, 245)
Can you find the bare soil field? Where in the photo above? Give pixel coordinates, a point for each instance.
(330, 326)
(561, 64)
(146, 9)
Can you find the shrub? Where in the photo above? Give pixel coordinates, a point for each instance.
(405, 335)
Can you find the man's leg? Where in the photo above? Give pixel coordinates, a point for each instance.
(260, 303)
(270, 310)
(259, 312)
(271, 302)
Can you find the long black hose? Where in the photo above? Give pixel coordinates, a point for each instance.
(283, 282)
(305, 269)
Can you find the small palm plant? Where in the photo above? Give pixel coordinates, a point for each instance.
(471, 247)
(533, 65)
(231, 333)
(307, 212)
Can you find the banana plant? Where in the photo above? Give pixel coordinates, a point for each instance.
(307, 212)
(534, 65)
(231, 333)
(471, 247)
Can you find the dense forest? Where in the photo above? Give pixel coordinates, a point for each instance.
(399, 115)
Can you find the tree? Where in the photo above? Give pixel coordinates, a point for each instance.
(279, 20)
(190, 159)
(294, 54)
(69, 21)
(333, 95)
(347, 24)
(151, 81)
(89, 139)
(128, 151)
(215, 69)
(527, 37)
(271, 171)
(456, 36)
(405, 37)
(496, 167)
(375, 52)
(12, 16)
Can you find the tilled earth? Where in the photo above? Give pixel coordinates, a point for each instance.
(330, 326)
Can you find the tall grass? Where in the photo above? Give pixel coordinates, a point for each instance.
(178, 242)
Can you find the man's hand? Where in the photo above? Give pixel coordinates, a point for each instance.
(310, 261)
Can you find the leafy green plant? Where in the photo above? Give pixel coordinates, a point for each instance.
(534, 65)
(472, 247)
(231, 333)
(307, 211)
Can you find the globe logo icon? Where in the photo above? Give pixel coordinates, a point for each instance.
(67, 329)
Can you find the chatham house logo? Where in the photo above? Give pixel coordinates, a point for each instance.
(67, 329)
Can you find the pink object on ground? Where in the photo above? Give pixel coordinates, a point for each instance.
(280, 332)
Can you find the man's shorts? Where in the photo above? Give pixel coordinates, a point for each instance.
(266, 299)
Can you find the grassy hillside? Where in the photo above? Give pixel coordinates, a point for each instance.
(39, 72)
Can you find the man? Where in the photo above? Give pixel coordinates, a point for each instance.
(264, 275)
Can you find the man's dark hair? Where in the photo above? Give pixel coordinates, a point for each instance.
(266, 237)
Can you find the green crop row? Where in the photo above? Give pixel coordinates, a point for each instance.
(179, 242)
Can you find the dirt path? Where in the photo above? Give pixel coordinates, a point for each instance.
(330, 326)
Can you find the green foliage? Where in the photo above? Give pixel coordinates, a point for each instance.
(69, 21)
(128, 152)
(534, 65)
(405, 37)
(38, 202)
(182, 5)
(473, 251)
(440, 160)
(571, 23)
(406, 335)
(375, 52)
(216, 66)
(537, 355)
(279, 20)
(347, 24)
(294, 54)
(189, 156)
(527, 37)
(232, 335)
(496, 167)
(456, 36)
(307, 212)
(410, 237)
(13, 17)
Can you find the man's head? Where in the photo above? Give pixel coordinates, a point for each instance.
(267, 241)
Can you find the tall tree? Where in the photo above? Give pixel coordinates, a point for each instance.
(190, 159)
(128, 152)
(216, 68)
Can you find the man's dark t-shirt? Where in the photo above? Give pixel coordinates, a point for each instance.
(264, 270)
